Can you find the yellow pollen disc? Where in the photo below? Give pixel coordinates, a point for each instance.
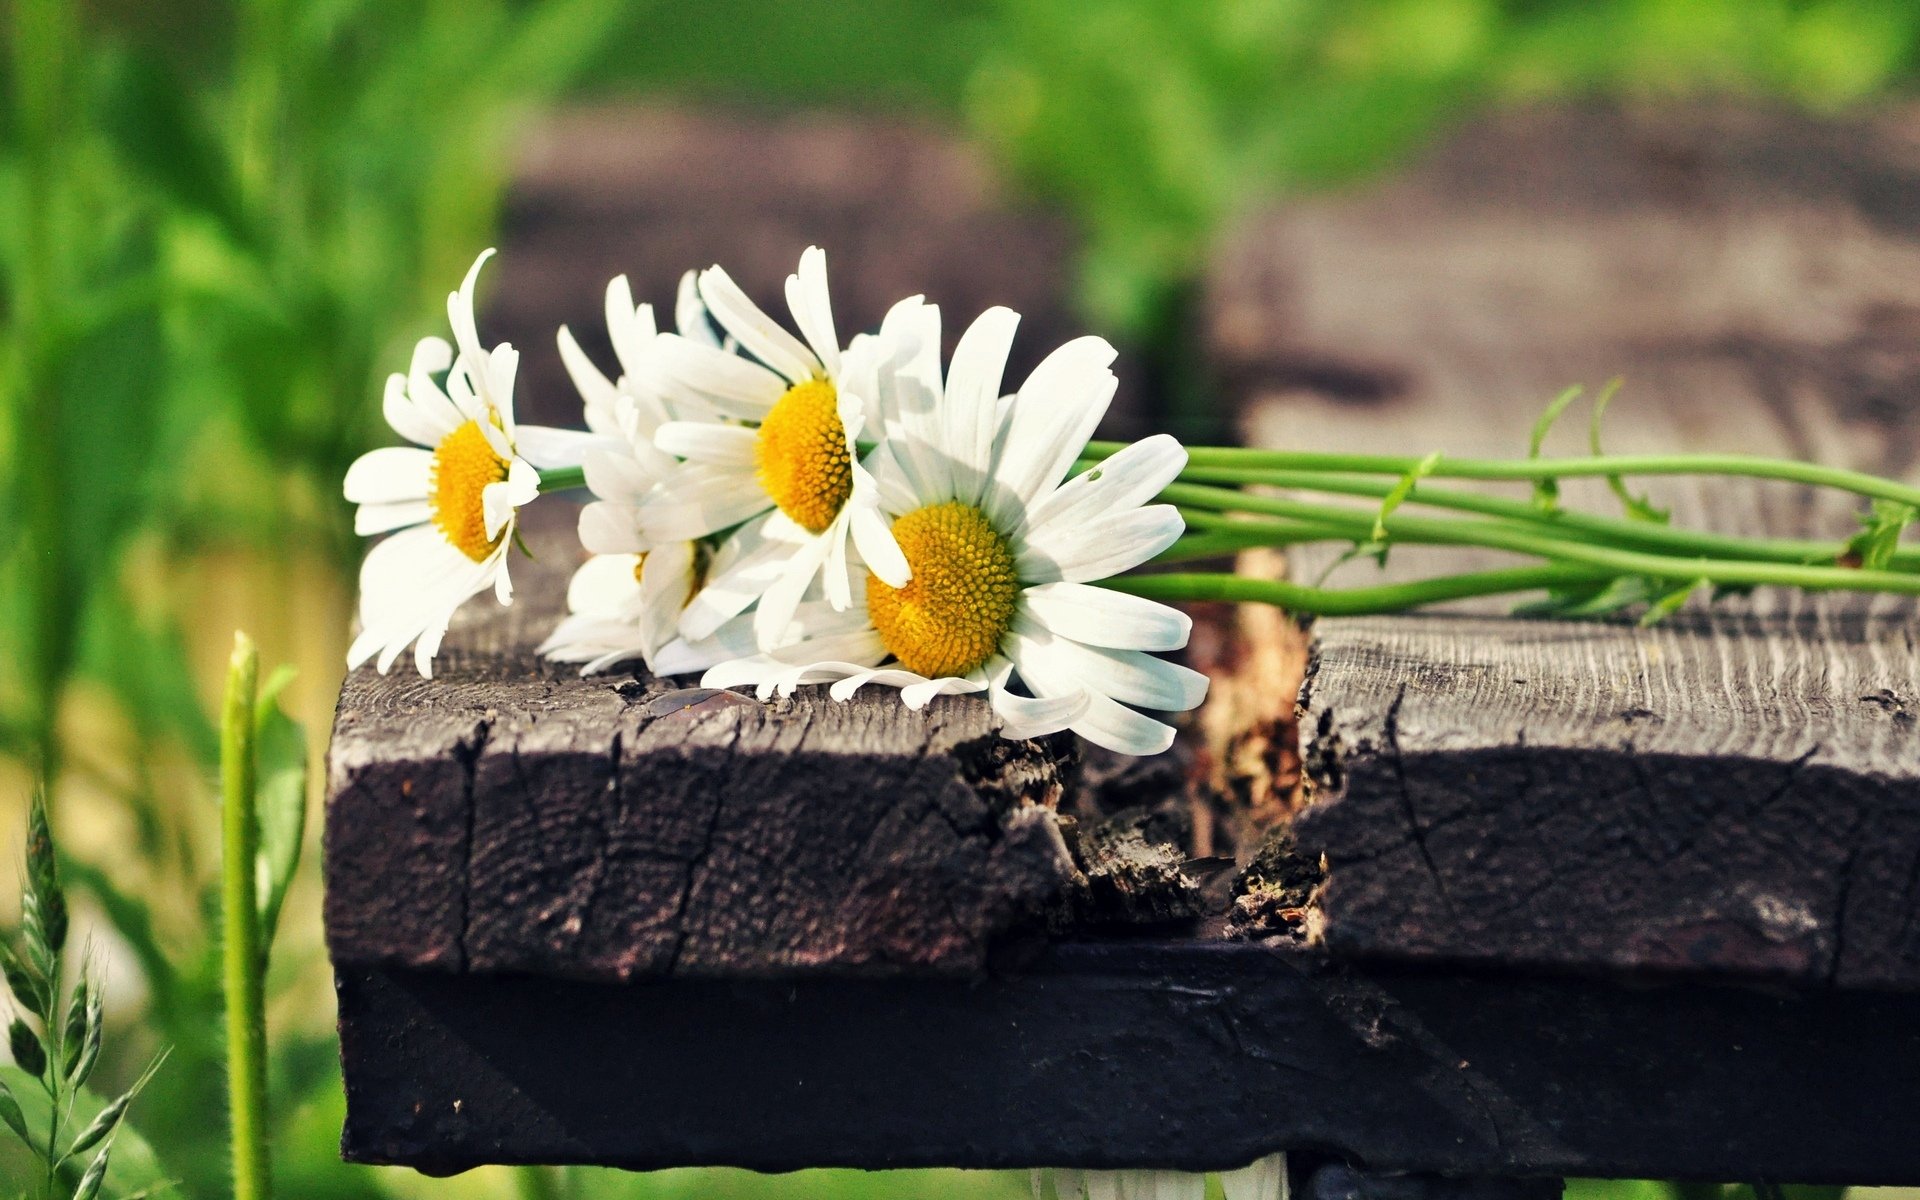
(463, 465)
(950, 617)
(801, 455)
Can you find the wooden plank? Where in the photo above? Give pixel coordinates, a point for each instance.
(1177, 1055)
(1738, 790)
(508, 815)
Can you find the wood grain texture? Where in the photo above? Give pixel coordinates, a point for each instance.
(508, 815)
(1737, 790)
(1136, 1053)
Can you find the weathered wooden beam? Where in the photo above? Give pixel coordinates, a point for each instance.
(1136, 1053)
(508, 815)
(1717, 794)
(1736, 791)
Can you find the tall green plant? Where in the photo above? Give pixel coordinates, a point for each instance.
(55, 1038)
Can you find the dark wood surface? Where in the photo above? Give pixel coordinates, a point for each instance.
(509, 815)
(1736, 790)
(1181, 1055)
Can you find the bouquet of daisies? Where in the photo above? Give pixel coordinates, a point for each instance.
(778, 509)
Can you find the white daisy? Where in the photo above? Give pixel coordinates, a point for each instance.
(1004, 549)
(626, 599)
(453, 495)
(781, 454)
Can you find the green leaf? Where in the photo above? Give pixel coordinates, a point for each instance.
(1670, 603)
(1546, 492)
(74, 1033)
(29, 988)
(24, 1044)
(96, 1175)
(135, 1167)
(1398, 496)
(280, 800)
(11, 1115)
(92, 1028)
(1639, 508)
(1881, 526)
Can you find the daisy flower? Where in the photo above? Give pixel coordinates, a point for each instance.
(780, 454)
(625, 601)
(453, 496)
(1003, 551)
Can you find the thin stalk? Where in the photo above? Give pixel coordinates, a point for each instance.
(1644, 535)
(1751, 466)
(560, 479)
(1352, 602)
(242, 961)
(1519, 540)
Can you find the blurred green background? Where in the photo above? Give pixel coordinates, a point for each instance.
(222, 223)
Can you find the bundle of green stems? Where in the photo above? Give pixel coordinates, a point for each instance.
(1587, 563)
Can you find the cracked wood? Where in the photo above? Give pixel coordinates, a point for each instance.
(1737, 790)
(509, 816)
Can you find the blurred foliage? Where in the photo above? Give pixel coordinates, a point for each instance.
(221, 221)
(1156, 122)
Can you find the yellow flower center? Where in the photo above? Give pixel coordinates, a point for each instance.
(801, 455)
(463, 465)
(950, 617)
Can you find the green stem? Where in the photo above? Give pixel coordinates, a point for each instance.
(1751, 466)
(242, 961)
(1517, 539)
(1351, 602)
(560, 479)
(1606, 530)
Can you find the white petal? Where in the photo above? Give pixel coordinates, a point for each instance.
(690, 314)
(701, 499)
(460, 311)
(973, 398)
(1031, 716)
(1103, 617)
(607, 528)
(812, 309)
(1102, 550)
(1129, 676)
(917, 696)
(630, 327)
(545, 447)
(390, 475)
(420, 425)
(1052, 417)
(873, 537)
(1127, 480)
(496, 504)
(884, 676)
(782, 597)
(1120, 729)
(700, 441)
(759, 334)
(432, 355)
(370, 519)
(732, 384)
(604, 584)
(597, 392)
(612, 475)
